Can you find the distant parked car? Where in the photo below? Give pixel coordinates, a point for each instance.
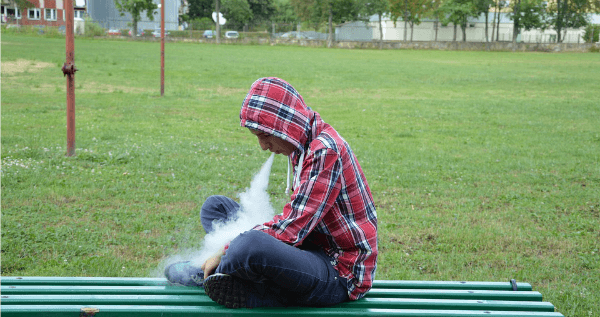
(209, 34)
(156, 32)
(232, 34)
(113, 32)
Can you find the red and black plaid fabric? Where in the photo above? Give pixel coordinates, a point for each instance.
(332, 207)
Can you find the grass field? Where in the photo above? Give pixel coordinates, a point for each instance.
(483, 166)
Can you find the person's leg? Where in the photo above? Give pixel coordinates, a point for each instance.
(215, 208)
(272, 273)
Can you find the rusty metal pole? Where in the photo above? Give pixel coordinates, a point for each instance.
(162, 47)
(69, 71)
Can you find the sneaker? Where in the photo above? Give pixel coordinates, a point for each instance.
(227, 290)
(184, 274)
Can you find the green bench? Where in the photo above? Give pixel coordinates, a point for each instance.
(108, 296)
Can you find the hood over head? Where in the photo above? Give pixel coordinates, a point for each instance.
(274, 107)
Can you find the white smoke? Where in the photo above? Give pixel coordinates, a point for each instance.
(255, 209)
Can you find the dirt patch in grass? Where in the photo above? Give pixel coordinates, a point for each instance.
(94, 87)
(22, 65)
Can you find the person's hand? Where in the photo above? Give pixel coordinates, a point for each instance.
(211, 264)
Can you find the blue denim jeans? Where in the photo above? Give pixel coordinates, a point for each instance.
(280, 274)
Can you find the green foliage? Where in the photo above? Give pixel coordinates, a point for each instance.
(33, 30)
(93, 29)
(262, 10)
(409, 10)
(319, 11)
(329, 12)
(136, 8)
(458, 12)
(193, 34)
(202, 24)
(236, 11)
(528, 14)
(284, 12)
(565, 14)
(24, 4)
(592, 33)
(201, 9)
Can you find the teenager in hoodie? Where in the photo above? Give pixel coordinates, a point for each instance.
(322, 249)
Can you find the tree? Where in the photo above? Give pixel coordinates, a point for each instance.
(284, 12)
(262, 10)
(135, 8)
(568, 14)
(378, 7)
(592, 33)
(328, 11)
(458, 12)
(202, 24)
(23, 4)
(435, 13)
(284, 15)
(500, 4)
(526, 15)
(411, 11)
(483, 7)
(198, 9)
(236, 11)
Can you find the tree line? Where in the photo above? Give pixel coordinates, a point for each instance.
(318, 14)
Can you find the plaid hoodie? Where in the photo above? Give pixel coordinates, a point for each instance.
(331, 205)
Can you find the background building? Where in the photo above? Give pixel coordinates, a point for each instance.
(105, 13)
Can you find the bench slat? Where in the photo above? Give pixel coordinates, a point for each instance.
(197, 300)
(134, 281)
(456, 294)
(116, 311)
(92, 289)
(178, 290)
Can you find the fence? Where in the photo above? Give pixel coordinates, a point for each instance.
(432, 32)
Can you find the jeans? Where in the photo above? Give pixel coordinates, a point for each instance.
(279, 274)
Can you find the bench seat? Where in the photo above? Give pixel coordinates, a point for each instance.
(109, 296)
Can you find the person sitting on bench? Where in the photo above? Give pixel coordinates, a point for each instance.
(322, 249)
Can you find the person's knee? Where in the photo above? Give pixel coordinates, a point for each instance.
(215, 207)
(211, 203)
(252, 244)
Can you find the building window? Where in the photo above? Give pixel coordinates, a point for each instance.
(33, 14)
(79, 14)
(10, 13)
(50, 15)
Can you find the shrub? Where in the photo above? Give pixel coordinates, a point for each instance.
(592, 33)
(202, 24)
(148, 33)
(92, 28)
(179, 33)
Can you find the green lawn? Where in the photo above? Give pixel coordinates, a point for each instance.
(484, 166)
